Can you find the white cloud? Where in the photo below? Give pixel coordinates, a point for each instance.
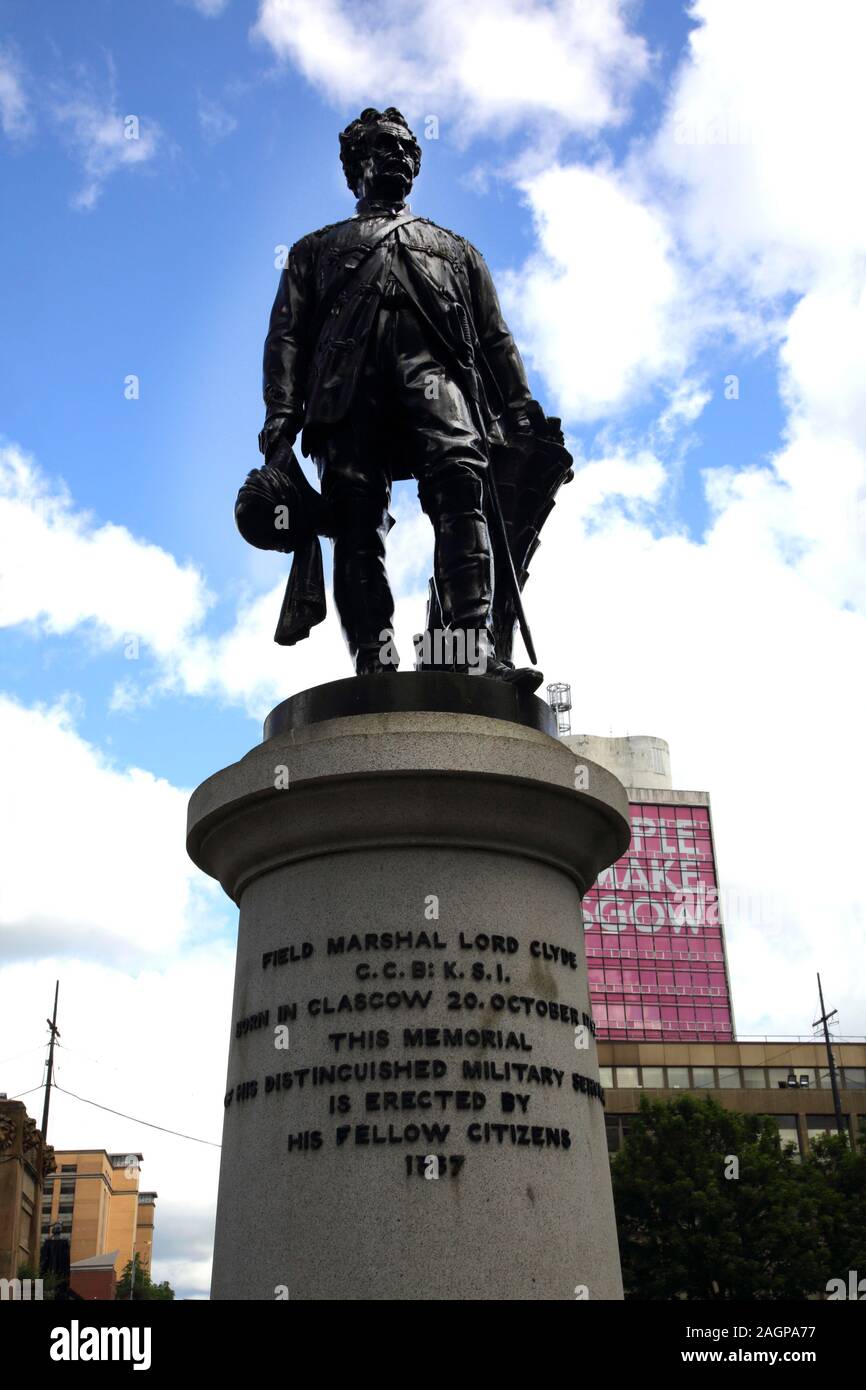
(615, 478)
(764, 139)
(210, 9)
(599, 306)
(67, 575)
(62, 570)
(813, 502)
(768, 198)
(685, 403)
(15, 115)
(215, 122)
(94, 854)
(103, 139)
(244, 665)
(494, 64)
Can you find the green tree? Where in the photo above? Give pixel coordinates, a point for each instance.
(144, 1289)
(49, 1282)
(710, 1206)
(839, 1174)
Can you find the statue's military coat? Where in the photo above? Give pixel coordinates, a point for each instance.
(312, 361)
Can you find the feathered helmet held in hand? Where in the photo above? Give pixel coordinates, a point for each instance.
(277, 509)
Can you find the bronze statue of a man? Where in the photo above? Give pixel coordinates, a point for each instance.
(388, 349)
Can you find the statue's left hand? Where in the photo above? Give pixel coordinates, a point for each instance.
(277, 427)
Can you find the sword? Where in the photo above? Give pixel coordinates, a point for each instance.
(496, 511)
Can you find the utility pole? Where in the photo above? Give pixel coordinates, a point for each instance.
(55, 1033)
(834, 1084)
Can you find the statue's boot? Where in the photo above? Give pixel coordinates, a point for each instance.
(483, 661)
(463, 576)
(362, 593)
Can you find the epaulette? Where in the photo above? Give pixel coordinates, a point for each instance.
(330, 227)
(320, 232)
(440, 228)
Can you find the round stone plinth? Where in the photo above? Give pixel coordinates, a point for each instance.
(413, 1108)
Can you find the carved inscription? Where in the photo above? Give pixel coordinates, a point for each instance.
(377, 1092)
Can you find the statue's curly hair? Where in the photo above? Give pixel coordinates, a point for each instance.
(353, 141)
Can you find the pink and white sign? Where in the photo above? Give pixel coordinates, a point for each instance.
(654, 933)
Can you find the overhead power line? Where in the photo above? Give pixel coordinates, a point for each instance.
(136, 1120)
(4, 1060)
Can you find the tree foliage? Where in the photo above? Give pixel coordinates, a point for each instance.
(144, 1290)
(693, 1224)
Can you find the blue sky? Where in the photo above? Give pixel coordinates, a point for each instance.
(664, 215)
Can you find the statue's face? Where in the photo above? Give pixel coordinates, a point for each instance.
(388, 169)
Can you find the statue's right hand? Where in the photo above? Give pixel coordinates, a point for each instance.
(282, 427)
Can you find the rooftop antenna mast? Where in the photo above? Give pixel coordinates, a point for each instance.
(559, 699)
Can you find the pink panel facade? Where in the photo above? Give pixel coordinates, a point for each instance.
(654, 933)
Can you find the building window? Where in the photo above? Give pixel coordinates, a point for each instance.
(778, 1077)
(678, 1078)
(729, 1078)
(788, 1133)
(754, 1079)
(792, 1077)
(817, 1125)
(69, 1167)
(855, 1078)
(653, 1077)
(627, 1076)
(703, 1078)
(605, 1076)
(617, 1129)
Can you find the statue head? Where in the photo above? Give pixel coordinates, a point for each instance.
(380, 155)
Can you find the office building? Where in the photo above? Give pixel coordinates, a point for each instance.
(658, 972)
(95, 1196)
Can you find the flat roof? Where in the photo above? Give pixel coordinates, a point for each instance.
(115, 1153)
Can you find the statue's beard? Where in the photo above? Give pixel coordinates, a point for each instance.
(389, 183)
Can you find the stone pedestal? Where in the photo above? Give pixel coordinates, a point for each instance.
(412, 1103)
